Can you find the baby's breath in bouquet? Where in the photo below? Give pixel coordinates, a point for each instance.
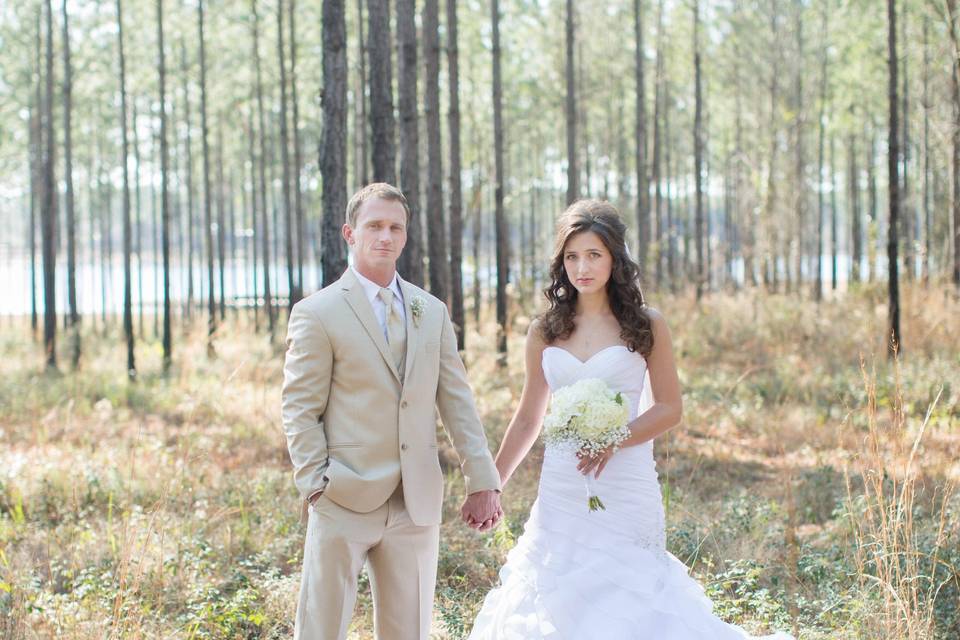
(587, 417)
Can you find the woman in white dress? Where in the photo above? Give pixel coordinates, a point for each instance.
(577, 574)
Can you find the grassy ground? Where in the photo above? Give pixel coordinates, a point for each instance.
(809, 487)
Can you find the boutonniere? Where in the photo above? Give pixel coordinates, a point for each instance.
(416, 306)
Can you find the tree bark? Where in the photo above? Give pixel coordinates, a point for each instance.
(437, 230)
(164, 194)
(698, 150)
(410, 264)
(800, 167)
(573, 188)
(297, 150)
(456, 191)
(334, 146)
(48, 211)
(127, 275)
(265, 215)
(893, 161)
(191, 205)
(502, 250)
(73, 315)
(856, 234)
(292, 293)
(207, 204)
(643, 187)
(381, 92)
(955, 138)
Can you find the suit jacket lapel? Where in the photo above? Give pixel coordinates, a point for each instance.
(413, 331)
(357, 299)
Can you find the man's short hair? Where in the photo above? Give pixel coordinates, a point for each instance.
(380, 190)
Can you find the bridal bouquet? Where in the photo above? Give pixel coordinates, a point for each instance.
(587, 417)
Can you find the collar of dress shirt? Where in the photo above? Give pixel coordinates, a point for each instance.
(372, 289)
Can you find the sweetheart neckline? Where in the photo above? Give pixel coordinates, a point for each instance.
(583, 362)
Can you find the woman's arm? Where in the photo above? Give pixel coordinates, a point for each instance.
(525, 425)
(667, 409)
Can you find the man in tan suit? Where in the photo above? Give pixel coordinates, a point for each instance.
(369, 360)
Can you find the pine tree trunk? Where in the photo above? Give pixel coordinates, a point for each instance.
(893, 162)
(191, 206)
(264, 220)
(410, 264)
(927, 212)
(221, 220)
(698, 150)
(164, 194)
(502, 240)
(360, 122)
(127, 274)
(955, 138)
(834, 220)
(456, 194)
(207, 204)
(854, 210)
(643, 187)
(381, 92)
(48, 210)
(658, 144)
(437, 229)
(800, 168)
(252, 244)
(573, 188)
(297, 151)
(73, 315)
(36, 171)
(334, 147)
(292, 293)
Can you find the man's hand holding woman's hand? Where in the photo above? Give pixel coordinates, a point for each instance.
(481, 510)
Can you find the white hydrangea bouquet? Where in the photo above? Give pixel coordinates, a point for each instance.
(587, 417)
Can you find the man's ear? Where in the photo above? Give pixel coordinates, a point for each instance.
(347, 232)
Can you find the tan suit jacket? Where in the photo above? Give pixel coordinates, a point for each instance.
(353, 428)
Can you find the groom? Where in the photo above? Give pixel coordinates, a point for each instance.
(369, 359)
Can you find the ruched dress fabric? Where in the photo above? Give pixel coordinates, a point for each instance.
(605, 575)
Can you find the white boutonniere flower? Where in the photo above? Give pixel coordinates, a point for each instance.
(416, 306)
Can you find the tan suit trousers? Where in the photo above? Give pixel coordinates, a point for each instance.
(401, 560)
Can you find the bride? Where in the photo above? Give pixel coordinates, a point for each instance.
(577, 574)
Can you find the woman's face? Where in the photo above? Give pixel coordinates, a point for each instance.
(587, 262)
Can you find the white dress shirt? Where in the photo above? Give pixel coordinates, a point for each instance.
(372, 289)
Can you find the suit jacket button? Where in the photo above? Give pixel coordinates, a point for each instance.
(403, 405)
(404, 446)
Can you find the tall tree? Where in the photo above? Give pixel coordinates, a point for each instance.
(297, 149)
(360, 123)
(207, 204)
(955, 136)
(643, 186)
(381, 92)
(262, 126)
(927, 209)
(164, 192)
(658, 143)
(48, 208)
(411, 260)
(293, 294)
(191, 207)
(698, 149)
(334, 146)
(502, 238)
(437, 229)
(36, 168)
(893, 162)
(573, 189)
(125, 155)
(456, 195)
(73, 315)
(853, 209)
(822, 123)
(800, 159)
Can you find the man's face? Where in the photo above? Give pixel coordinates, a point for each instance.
(379, 236)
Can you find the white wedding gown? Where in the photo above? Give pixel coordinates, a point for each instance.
(603, 575)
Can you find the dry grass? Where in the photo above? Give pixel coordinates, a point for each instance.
(804, 489)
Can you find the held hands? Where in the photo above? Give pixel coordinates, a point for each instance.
(481, 510)
(595, 463)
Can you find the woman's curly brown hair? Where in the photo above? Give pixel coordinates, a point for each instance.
(623, 288)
